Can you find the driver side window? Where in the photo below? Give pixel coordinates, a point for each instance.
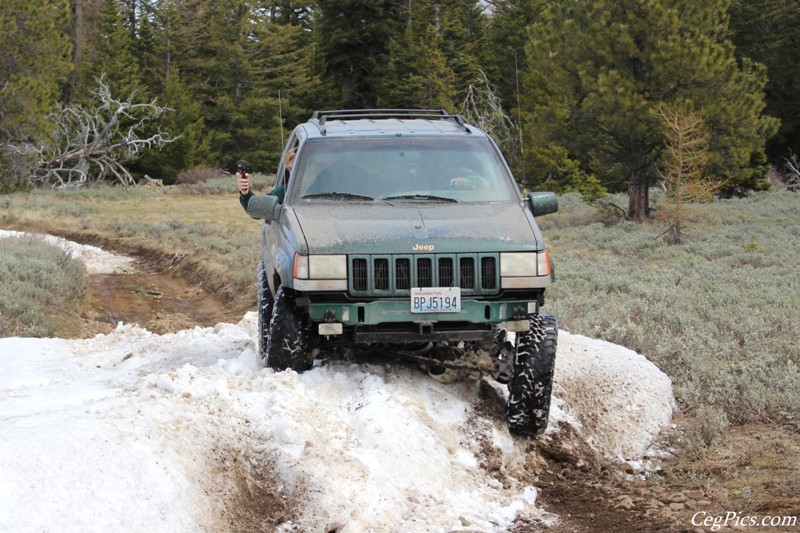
(286, 164)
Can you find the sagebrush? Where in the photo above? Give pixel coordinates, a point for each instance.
(39, 284)
(716, 314)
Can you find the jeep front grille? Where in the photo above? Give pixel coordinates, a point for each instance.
(467, 271)
(358, 274)
(395, 275)
(488, 273)
(446, 272)
(403, 274)
(424, 272)
(381, 274)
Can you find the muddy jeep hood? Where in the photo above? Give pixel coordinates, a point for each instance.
(416, 228)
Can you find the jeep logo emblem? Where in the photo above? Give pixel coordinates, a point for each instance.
(423, 248)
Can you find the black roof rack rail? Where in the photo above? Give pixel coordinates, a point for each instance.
(354, 114)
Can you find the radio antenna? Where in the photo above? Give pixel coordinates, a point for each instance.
(519, 122)
(280, 115)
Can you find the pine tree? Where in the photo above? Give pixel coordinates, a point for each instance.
(354, 37)
(506, 36)
(34, 38)
(598, 69)
(283, 55)
(291, 12)
(462, 42)
(206, 43)
(395, 89)
(432, 80)
(84, 22)
(458, 40)
(184, 121)
(417, 74)
(768, 31)
(112, 55)
(146, 49)
(171, 38)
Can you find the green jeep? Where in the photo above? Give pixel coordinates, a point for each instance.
(403, 233)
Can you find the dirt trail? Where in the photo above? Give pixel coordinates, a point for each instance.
(161, 302)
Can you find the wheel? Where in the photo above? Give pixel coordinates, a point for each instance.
(289, 332)
(265, 304)
(532, 377)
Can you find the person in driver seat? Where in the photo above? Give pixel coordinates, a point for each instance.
(279, 190)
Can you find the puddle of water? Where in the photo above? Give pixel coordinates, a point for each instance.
(159, 302)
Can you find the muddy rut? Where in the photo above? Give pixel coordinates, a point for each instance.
(161, 302)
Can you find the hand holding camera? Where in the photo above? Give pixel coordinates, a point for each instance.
(243, 178)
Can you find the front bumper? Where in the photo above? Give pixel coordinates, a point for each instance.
(387, 311)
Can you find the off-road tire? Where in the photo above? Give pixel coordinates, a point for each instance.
(289, 331)
(532, 379)
(265, 305)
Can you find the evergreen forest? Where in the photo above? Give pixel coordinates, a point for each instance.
(572, 90)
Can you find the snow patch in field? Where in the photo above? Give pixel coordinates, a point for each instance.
(620, 399)
(97, 260)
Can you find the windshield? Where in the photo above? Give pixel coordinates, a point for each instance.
(402, 170)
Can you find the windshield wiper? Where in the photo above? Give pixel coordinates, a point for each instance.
(431, 197)
(339, 195)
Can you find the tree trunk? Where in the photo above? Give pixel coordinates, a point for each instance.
(638, 191)
(639, 197)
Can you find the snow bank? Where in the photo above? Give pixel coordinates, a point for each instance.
(620, 399)
(187, 432)
(97, 260)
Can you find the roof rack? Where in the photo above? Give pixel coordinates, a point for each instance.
(354, 114)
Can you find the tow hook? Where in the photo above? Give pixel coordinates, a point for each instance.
(425, 328)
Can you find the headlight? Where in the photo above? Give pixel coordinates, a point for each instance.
(518, 264)
(525, 270)
(320, 266)
(327, 267)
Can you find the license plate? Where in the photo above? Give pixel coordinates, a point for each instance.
(436, 300)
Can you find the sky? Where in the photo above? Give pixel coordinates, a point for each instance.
(187, 431)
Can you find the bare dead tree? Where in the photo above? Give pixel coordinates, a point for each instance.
(92, 143)
(482, 107)
(793, 166)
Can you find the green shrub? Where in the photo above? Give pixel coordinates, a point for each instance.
(39, 284)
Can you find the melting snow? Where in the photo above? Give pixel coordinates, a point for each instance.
(97, 260)
(160, 432)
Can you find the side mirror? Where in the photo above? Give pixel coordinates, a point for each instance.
(541, 203)
(264, 207)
